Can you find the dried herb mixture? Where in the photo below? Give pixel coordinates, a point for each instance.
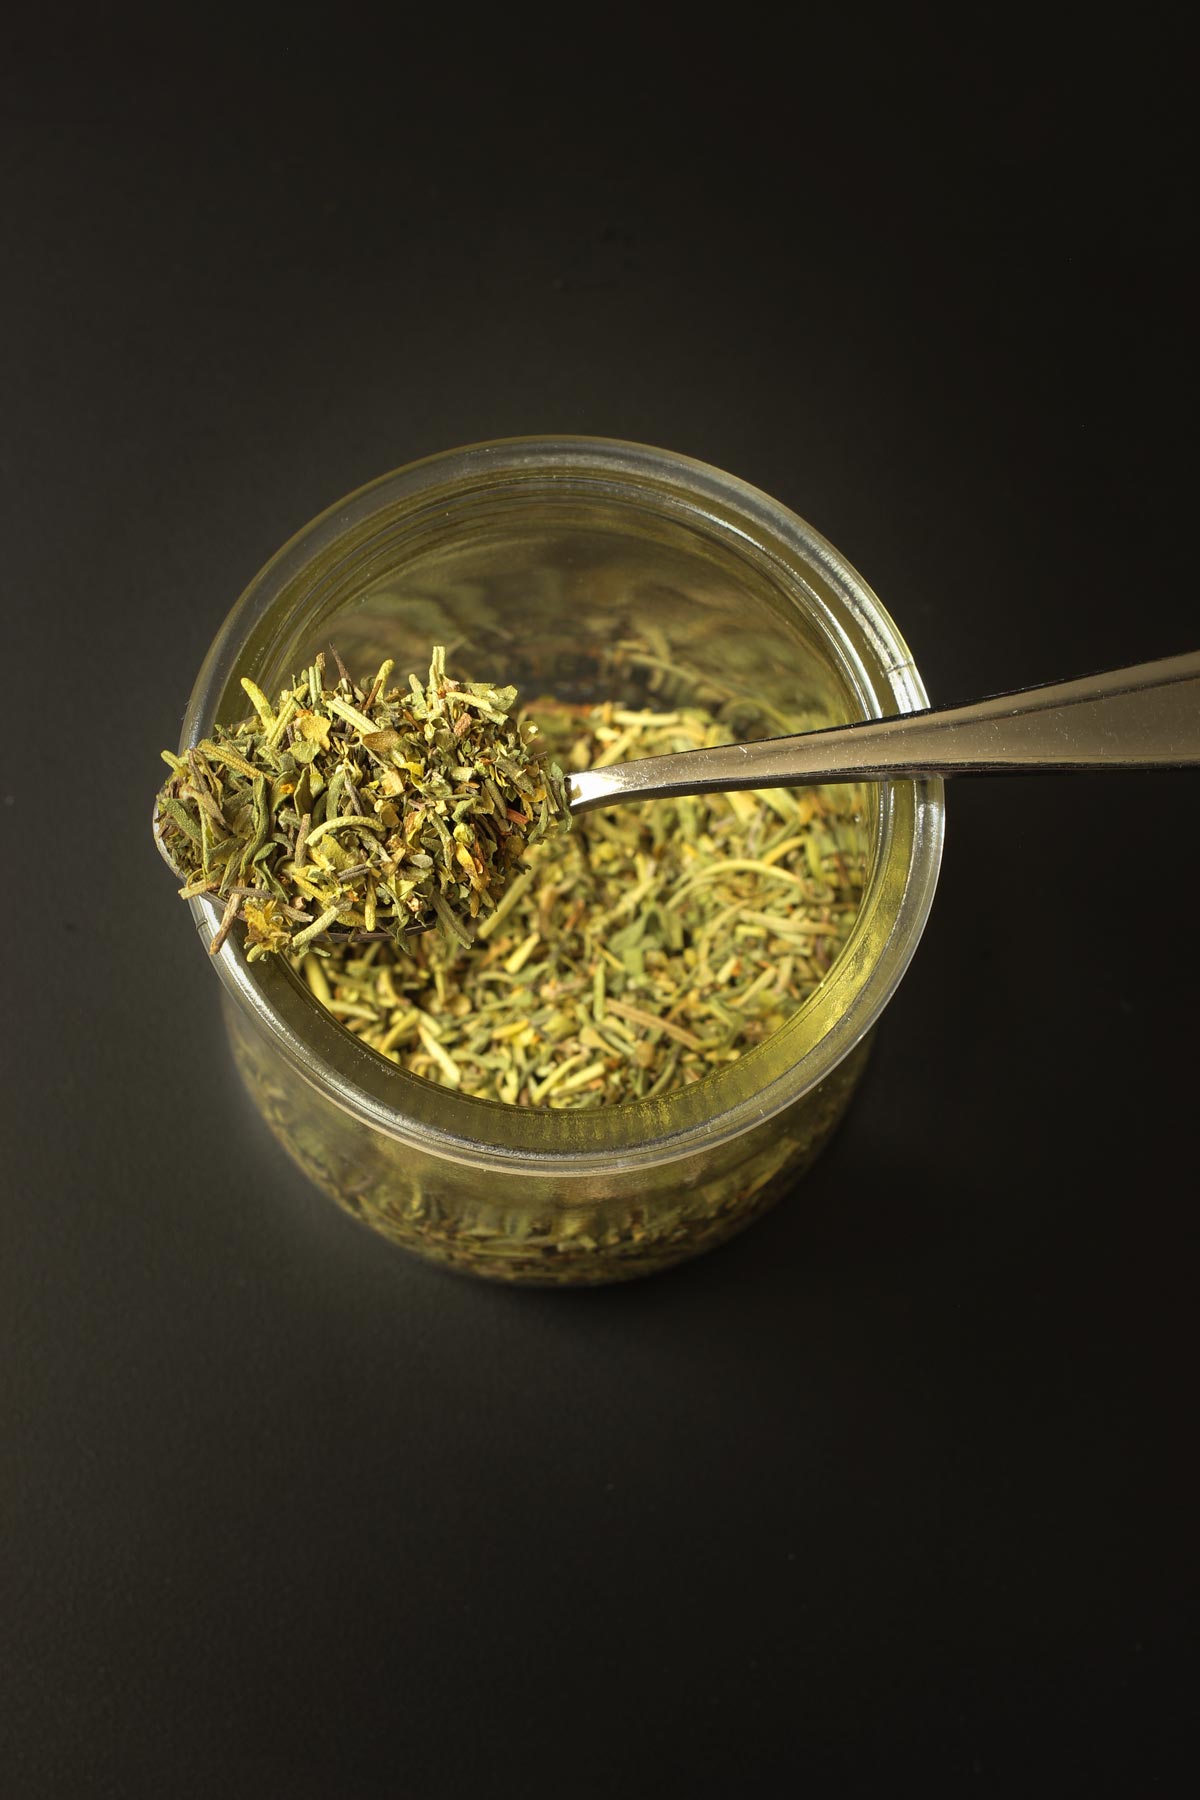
(401, 846)
(639, 952)
(371, 812)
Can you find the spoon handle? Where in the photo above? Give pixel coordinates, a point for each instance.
(1146, 717)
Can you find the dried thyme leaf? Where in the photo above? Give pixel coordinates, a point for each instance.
(362, 810)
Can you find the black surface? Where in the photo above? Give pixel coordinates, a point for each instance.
(897, 1487)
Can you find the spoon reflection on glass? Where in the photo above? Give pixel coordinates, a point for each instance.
(1145, 717)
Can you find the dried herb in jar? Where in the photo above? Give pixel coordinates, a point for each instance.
(637, 954)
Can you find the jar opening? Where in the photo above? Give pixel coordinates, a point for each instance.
(539, 555)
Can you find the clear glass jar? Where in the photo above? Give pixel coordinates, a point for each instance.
(538, 555)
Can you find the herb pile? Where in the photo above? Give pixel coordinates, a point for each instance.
(401, 847)
(360, 813)
(634, 954)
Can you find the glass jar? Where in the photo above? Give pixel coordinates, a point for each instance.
(537, 556)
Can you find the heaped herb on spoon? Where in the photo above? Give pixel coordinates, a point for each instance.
(360, 813)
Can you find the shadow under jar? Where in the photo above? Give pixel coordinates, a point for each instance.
(538, 558)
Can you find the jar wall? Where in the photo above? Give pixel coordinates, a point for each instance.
(554, 1229)
(564, 593)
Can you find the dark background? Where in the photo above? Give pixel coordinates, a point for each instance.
(895, 1487)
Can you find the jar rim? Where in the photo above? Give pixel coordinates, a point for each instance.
(909, 821)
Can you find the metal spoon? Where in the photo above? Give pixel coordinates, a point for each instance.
(1146, 717)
